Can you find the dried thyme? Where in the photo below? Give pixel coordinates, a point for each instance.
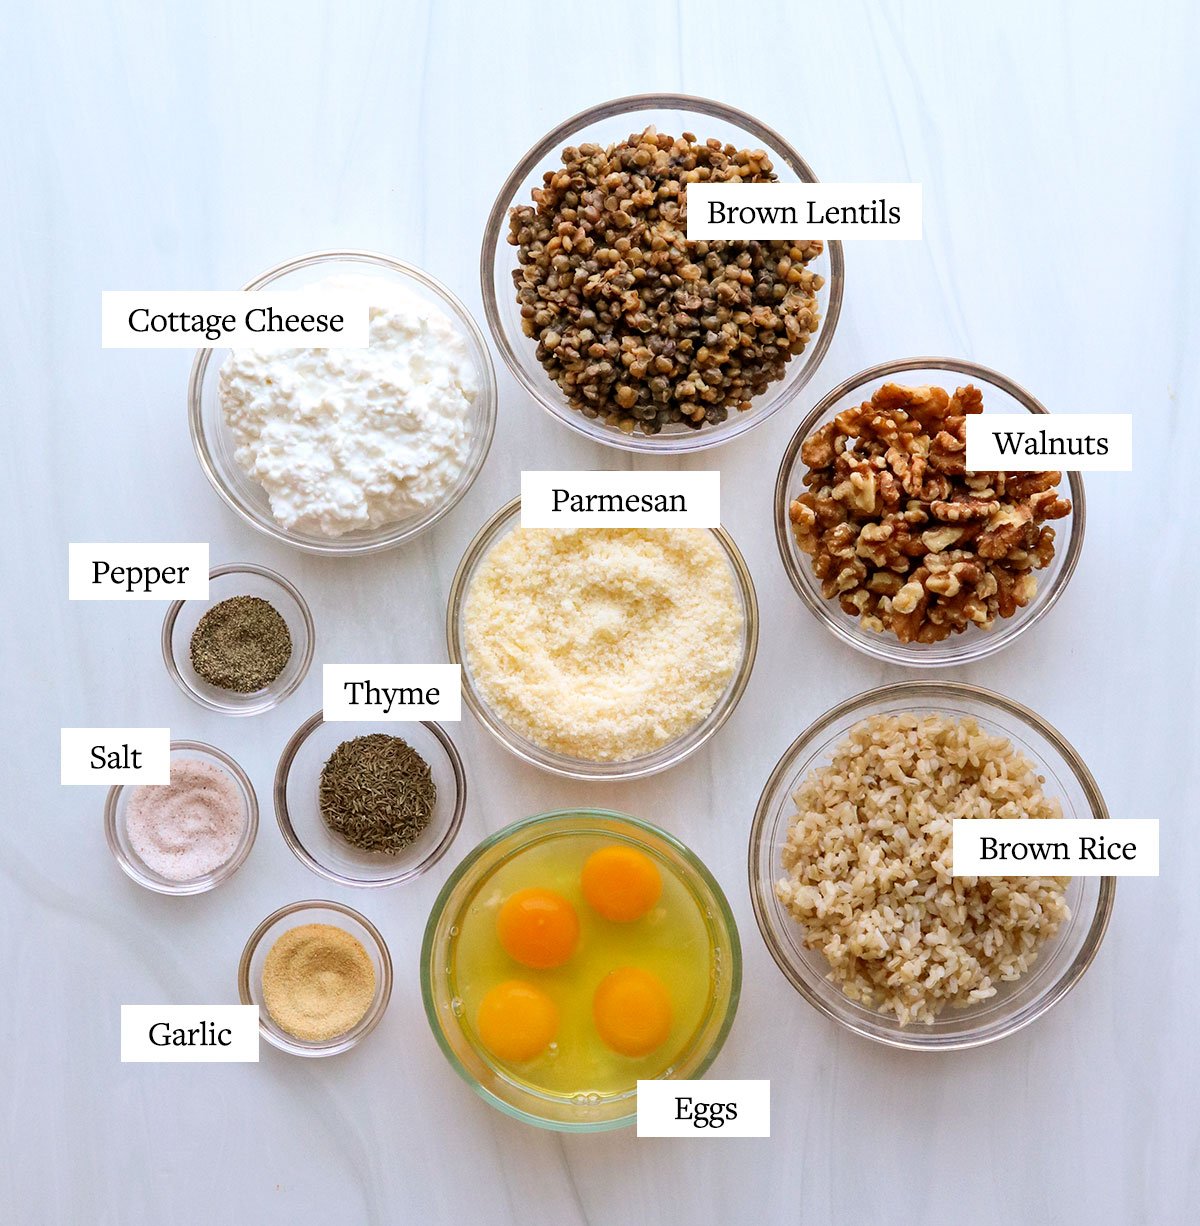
(241, 644)
(377, 792)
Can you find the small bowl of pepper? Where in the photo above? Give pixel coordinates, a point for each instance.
(244, 649)
(369, 803)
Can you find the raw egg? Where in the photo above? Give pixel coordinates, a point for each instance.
(632, 1011)
(517, 1021)
(539, 928)
(621, 883)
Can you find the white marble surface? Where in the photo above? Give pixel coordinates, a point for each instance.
(175, 146)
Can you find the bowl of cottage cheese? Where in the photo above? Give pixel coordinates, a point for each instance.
(344, 451)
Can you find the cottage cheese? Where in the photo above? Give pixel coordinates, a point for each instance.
(347, 439)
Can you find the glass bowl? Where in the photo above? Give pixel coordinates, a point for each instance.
(1061, 961)
(503, 522)
(298, 812)
(225, 582)
(604, 124)
(314, 911)
(1000, 395)
(215, 446)
(579, 1113)
(132, 864)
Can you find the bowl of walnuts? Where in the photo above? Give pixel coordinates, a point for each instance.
(896, 547)
(612, 320)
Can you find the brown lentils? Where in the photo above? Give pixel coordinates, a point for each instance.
(637, 326)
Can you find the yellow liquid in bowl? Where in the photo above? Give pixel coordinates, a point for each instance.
(672, 941)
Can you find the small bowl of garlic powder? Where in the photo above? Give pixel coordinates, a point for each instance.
(602, 653)
(349, 451)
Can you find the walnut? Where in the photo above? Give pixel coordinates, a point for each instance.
(902, 536)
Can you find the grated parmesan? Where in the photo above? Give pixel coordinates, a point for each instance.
(601, 643)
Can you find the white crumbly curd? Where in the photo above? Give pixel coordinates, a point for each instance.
(603, 644)
(346, 439)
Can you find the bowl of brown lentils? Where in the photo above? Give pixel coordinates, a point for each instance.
(612, 320)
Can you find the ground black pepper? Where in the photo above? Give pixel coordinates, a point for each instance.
(241, 644)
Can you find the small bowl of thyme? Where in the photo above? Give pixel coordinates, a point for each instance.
(371, 802)
(244, 649)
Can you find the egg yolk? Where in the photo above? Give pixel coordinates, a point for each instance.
(632, 1011)
(538, 928)
(621, 883)
(516, 1021)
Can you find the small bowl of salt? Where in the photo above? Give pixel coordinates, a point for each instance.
(190, 835)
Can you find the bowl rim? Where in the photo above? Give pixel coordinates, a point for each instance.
(477, 550)
(339, 1043)
(674, 444)
(886, 647)
(271, 700)
(395, 534)
(283, 817)
(863, 703)
(477, 853)
(219, 875)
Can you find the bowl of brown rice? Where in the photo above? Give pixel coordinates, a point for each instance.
(850, 870)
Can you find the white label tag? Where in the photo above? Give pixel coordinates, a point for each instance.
(1054, 847)
(1044, 442)
(703, 1108)
(115, 755)
(782, 211)
(657, 498)
(403, 692)
(130, 571)
(212, 319)
(189, 1034)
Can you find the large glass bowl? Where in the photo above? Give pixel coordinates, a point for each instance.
(1000, 395)
(582, 1113)
(604, 124)
(506, 520)
(1061, 962)
(214, 442)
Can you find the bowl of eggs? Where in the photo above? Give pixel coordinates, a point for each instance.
(571, 955)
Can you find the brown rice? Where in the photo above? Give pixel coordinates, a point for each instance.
(869, 869)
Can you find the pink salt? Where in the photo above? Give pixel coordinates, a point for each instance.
(186, 828)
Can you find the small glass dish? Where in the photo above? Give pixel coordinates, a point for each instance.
(225, 582)
(605, 124)
(503, 522)
(215, 446)
(314, 911)
(1061, 961)
(131, 863)
(1000, 395)
(444, 1009)
(297, 809)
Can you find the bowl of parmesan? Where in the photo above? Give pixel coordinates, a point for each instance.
(602, 653)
